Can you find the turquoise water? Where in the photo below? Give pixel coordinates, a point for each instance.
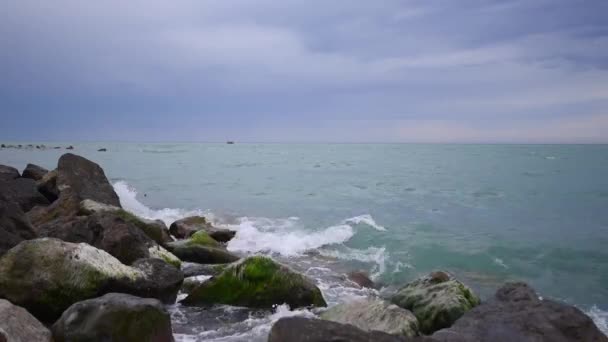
(487, 213)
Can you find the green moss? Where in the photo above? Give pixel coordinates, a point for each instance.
(201, 238)
(258, 282)
(150, 230)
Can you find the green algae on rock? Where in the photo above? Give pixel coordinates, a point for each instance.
(47, 275)
(437, 300)
(187, 251)
(257, 282)
(202, 238)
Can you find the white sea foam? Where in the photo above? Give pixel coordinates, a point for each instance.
(128, 200)
(500, 263)
(376, 255)
(365, 219)
(600, 317)
(282, 237)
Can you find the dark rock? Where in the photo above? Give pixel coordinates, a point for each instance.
(16, 324)
(437, 300)
(192, 283)
(361, 278)
(102, 150)
(200, 254)
(115, 317)
(24, 192)
(34, 172)
(300, 329)
(47, 185)
(162, 281)
(69, 147)
(8, 172)
(14, 225)
(257, 282)
(3, 146)
(186, 227)
(517, 314)
(57, 147)
(193, 269)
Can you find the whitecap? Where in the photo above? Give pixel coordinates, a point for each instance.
(500, 263)
(365, 219)
(376, 255)
(600, 317)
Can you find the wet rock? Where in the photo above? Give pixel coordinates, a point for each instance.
(257, 282)
(46, 276)
(3, 146)
(24, 192)
(34, 172)
(301, 329)
(69, 147)
(200, 254)
(8, 172)
(162, 281)
(14, 225)
(154, 229)
(193, 269)
(192, 283)
(115, 317)
(102, 150)
(437, 300)
(361, 278)
(18, 325)
(184, 228)
(517, 314)
(373, 314)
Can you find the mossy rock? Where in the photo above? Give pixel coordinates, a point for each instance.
(257, 282)
(47, 275)
(437, 300)
(201, 238)
(187, 251)
(159, 252)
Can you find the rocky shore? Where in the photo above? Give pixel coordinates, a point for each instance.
(76, 266)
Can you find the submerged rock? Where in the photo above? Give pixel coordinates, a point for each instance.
(8, 172)
(301, 329)
(437, 300)
(18, 325)
(373, 314)
(186, 227)
(257, 282)
(115, 317)
(48, 275)
(14, 225)
(187, 251)
(517, 314)
(24, 192)
(34, 172)
(102, 149)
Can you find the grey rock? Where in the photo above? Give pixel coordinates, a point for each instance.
(24, 192)
(18, 325)
(14, 225)
(186, 227)
(201, 254)
(194, 269)
(34, 172)
(115, 317)
(8, 172)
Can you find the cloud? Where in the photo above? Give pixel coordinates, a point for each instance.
(242, 64)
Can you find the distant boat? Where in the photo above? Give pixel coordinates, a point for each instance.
(230, 142)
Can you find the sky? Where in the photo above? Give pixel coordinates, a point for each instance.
(467, 71)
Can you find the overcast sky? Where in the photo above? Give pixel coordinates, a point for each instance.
(306, 71)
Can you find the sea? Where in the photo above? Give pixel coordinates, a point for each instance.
(485, 213)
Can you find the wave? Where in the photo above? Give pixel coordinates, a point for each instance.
(376, 255)
(365, 219)
(128, 199)
(600, 317)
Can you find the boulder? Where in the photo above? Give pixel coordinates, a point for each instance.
(184, 228)
(437, 300)
(8, 172)
(517, 314)
(115, 317)
(301, 329)
(14, 225)
(373, 314)
(361, 278)
(18, 325)
(257, 282)
(24, 192)
(109, 231)
(47, 185)
(193, 269)
(34, 172)
(69, 147)
(46, 276)
(200, 254)
(103, 149)
(154, 229)
(192, 283)
(161, 281)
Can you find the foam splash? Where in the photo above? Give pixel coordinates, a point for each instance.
(128, 199)
(600, 317)
(376, 255)
(281, 236)
(365, 219)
